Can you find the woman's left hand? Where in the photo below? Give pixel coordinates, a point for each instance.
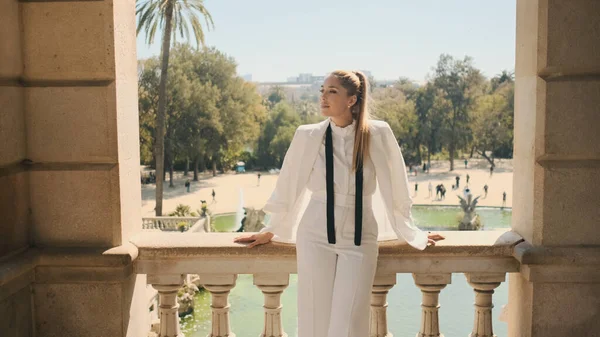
(433, 237)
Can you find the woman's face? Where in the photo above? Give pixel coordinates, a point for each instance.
(335, 101)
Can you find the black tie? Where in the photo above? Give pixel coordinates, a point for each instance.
(358, 205)
(330, 193)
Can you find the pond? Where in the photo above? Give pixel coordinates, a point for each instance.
(404, 299)
(426, 217)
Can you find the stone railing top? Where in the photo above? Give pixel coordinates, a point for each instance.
(176, 245)
(89, 257)
(526, 253)
(216, 252)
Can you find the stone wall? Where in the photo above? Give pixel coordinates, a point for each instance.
(14, 185)
(557, 169)
(69, 165)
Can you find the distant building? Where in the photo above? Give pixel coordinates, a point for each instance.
(318, 79)
(305, 78)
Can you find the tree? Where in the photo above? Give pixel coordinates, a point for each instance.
(276, 95)
(148, 80)
(408, 87)
(243, 113)
(177, 15)
(504, 77)
(462, 83)
(212, 115)
(390, 104)
(431, 107)
(276, 135)
(493, 123)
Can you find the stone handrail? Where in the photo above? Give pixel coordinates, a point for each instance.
(484, 257)
(167, 223)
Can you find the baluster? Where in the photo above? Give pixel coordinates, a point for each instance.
(167, 287)
(272, 286)
(431, 285)
(381, 286)
(484, 285)
(219, 286)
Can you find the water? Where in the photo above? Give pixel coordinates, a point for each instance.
(404, 299)
(426, 217)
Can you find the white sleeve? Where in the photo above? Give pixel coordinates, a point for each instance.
(402, 202)
(278, 203)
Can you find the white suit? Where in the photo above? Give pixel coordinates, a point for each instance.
(334, 280)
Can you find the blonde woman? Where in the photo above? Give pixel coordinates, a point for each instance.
(328, 168)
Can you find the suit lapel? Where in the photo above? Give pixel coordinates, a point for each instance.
(304, 160)
(311, 151)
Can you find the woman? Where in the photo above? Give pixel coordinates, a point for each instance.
(329, 166)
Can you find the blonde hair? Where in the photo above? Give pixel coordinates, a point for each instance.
(356, 83)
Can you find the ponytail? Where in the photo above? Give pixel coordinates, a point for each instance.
(360, 113)
(356, 83)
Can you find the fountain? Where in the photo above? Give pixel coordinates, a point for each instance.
(254, 220)
(239, 214)
(248, 219)
(470, 220)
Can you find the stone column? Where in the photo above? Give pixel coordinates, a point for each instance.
(15, 223)
(556, 170)
(381, 285)
(272, 286)
(167, 287)
(484, 285)
(431, 285)
(68, 92)
(219, 287)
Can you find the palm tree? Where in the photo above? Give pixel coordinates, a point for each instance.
(175, 15)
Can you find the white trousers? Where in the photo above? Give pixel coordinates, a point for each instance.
(335, 280)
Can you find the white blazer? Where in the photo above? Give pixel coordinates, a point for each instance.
(391, 201)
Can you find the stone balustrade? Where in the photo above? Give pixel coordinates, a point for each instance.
(169, 223)
(484, 257)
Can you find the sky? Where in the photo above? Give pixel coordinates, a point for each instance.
(276, 39)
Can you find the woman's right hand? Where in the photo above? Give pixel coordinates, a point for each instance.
(255, 239)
